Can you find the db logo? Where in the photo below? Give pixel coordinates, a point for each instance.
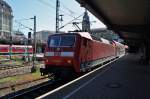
(58, 49)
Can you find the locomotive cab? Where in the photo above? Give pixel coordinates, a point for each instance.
(60, 53)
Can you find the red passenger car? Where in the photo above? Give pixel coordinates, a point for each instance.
(18, 49)
(76, 52)
(4, 49)
(30, 49)
(21, 49)
(15, 49)
(120, 48)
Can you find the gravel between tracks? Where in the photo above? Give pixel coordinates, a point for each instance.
(7, 88)
(16, 71)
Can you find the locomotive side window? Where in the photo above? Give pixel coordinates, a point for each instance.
(54, 41)
(67, 40)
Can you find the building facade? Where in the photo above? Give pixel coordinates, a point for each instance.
(41, 39)
(42, 36)
(5, 20)
(18, 37)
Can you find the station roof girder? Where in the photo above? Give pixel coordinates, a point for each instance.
(126, 17)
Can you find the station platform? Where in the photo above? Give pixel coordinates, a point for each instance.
(126, 78)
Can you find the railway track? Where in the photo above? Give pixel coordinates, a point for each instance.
(37, 90)
(12, 66)
(43, 88)
(5, 67)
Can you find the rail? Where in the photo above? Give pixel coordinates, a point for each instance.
(8, 66)
(36, 91)
(51, 86)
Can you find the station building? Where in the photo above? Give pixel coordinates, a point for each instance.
(6, 18)
(42, 36)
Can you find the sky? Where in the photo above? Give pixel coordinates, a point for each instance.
(44, 10)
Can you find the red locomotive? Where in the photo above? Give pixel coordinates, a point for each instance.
(77, 53)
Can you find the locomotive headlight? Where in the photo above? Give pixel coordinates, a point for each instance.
(69, 61)
(46, 60)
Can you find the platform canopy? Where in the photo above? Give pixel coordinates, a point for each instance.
(129, 18)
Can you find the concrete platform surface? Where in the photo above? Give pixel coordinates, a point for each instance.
(127, 78)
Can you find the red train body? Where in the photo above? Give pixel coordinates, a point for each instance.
(120, 48)
(18, 49)
(4, 49)
(15, 49)
(77, 52)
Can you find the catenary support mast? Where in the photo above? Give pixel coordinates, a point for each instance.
(57, 15)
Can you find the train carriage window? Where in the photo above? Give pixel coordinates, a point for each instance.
(3, 48)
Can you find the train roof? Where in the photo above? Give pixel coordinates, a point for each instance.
(105, 41)
(3, 45)
(82, 34)
(118, 43)
(85, 34)
(21, 45)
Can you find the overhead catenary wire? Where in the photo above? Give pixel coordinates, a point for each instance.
(62, 13)
(23, 19)
(19, 28)
(23, 25)
(53, 7)
(71, 21)
(72, 12)
(53, 1)
(50, 5)
(47, 4)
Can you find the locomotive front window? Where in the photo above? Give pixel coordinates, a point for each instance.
(54, 41)
(67, 40)
(63, 41)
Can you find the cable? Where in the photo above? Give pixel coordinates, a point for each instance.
(71, 21)
(69, 10)
(23, 19)
(53, 1)
(48, 4)
(72, 12)
(23, 25)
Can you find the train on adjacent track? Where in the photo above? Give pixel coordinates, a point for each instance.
(15, 49)
(76, 53)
